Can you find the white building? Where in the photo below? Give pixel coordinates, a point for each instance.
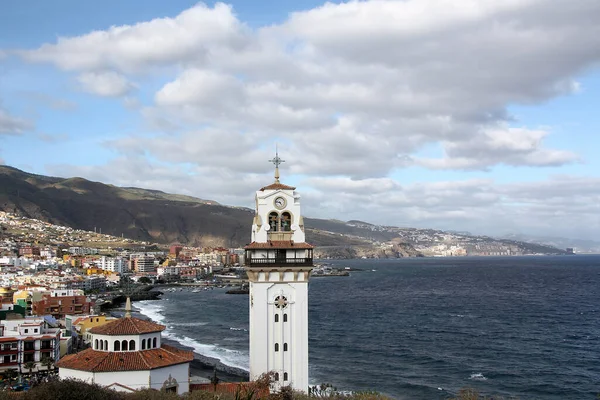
(127, 355)
(113, 264)
(27, 340)
(279, 263)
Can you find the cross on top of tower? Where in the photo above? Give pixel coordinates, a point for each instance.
(276, 160)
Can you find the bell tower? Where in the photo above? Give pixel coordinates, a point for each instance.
(279, 263)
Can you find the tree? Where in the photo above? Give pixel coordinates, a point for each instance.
(47, 362)
(10, 374)
(30, 365)
(145, 280)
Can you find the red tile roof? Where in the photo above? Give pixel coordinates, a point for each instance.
(111, 361)
(127, 326)
(276, 186)
(279, 244)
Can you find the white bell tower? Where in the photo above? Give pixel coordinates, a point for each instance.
(279, 263)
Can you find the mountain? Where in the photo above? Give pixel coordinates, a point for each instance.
(156, 216)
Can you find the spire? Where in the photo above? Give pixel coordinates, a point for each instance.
(276, 161)
(128, 307)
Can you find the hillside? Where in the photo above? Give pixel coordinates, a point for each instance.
(155, 216)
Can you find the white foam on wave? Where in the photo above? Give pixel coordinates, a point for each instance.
(189, 323)
(232, 358)
(478, 377)
(238, 329)
(155, 311)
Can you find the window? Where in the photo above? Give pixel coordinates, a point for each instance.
(276, 346)
(106, 345)
(124, 345)
(26, 330)
(276, 317)
(285, 347)
(97, 319)
(154, 343)
(117, 345)
(132, 345)
(143, 344)
(286, 220)
(102, 345)
(276, 376)
(13, 357)
(274, 222)
(285, 376)
(35, 331)
(96, 344)
(13, 345)
(284, 317)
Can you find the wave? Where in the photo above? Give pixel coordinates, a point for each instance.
(238, 329)
(478, 377)
(155, 311)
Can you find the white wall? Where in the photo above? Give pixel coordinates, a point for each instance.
(265, 205)
(134, 379)
(265, 332)
(136, 338)
(180, 372)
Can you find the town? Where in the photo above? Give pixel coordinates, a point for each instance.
(56, 282)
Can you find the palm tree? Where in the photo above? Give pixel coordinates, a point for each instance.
(47, 362)
(30, 365)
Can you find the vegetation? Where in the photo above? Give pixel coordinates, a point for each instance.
(71, 389)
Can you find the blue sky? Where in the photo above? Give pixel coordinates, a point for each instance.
(476, 115)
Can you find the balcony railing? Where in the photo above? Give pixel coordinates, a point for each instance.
(292, 262)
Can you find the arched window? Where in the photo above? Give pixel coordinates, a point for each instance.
(276, 317)
(124, 345)
(154, 343)
(286, 222)
(143, 344)
(117, 345)
(276, 376)
(274, 221)
(132, 345)
(285, 376)
(284, 317)
(102, 345)
(106, 345)
(96, 344)
(285, 347)
(276, 346)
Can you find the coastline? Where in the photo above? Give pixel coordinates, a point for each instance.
(203, 367)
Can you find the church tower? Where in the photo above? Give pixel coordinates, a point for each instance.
(279, 263)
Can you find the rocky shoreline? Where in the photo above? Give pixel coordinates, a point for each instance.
(202, 368)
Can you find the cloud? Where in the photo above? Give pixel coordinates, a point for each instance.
(55, 103)
(352, 92)
(504, 145)
(106, 84)
(187, 37)
(10, 125)
(48, 138)
(348, 95)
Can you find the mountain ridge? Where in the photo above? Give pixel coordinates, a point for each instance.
(157, 216)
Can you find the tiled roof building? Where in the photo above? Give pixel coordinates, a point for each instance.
(127, 354)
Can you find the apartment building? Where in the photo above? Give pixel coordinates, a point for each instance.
(25, 340)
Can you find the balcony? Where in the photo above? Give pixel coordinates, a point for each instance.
(288, 262)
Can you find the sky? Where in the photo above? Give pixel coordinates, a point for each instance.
(466, 115)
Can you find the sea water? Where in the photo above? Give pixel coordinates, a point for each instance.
(425, 328)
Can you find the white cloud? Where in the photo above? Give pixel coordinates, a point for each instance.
(11, 125)
(161, 41)
(503, 145)
(106, 84)
(352, 92)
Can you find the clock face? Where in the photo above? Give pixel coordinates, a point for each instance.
(280, 202)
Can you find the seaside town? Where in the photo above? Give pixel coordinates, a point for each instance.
(58, 283)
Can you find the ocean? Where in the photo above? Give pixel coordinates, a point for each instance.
(526, 327)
